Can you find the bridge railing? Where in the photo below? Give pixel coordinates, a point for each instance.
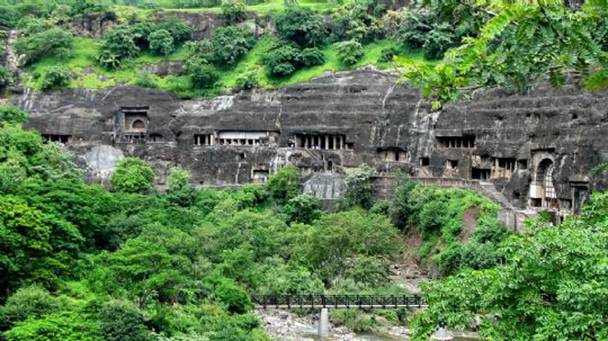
(338, 301)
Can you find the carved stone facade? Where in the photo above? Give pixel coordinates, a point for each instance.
(537, 149)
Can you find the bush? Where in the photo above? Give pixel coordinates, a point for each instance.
(133, 175)
(359, 190)
(282, 61)
(161, 42)
(248, 80)
(203, 75)
(27, 302)
(285, 184)
(12, 114)
(233, 10)
(53, 42)
(388, 54)
(303, 208)
(336, 238)
(5, 77)
(180, 191)
(67, 326)
(123, 321)
(177, 27)
(120, 43)
(312, 56)
(55, 77)
(301, 26)
(349, 52)
(229, 294)
(145, 79)
(8, 16)
(229, 44)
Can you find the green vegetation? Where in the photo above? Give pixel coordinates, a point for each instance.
(551, 285)
(305, 46)
(81, 261)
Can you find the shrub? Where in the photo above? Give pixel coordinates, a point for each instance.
(388, 54)
(349, 52)
(133, 175)
(282, 61)
(8, 16)
(180, 191)
(179, 29)
(229, 44)
(301, 26)
(312, 56)
(5, 77)
(67, 326)
(359, 190)
(233, 10)
(55, 77)
(248, 80)
(285, 184)
(52, 42)
(123, 321)
(235, 299)
(303, 208)
(144, 79)
(27, 302)
(161, 42)
(120, 43)
(203, 75)
(12, 114)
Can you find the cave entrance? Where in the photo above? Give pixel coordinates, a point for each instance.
(542, 187)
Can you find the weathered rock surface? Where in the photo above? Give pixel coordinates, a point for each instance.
(516, 142)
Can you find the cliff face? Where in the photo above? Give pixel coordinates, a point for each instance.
(537, 149)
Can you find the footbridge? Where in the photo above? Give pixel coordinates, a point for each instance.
(325, 302)
(338, 301)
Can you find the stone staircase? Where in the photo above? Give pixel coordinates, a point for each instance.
(489, 190)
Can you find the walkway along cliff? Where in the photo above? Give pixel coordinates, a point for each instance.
(535, 151)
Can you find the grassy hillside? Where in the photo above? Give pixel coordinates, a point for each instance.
(88, 74)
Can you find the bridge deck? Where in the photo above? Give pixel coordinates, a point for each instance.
(337, 301)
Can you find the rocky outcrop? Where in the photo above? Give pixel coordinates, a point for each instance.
(93, 25)
(537, 149)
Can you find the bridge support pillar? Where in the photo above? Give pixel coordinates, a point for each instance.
(324, 323)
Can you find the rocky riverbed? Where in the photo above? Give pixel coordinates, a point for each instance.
(284, 325)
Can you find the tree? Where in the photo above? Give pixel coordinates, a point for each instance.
(12, 114)
(359, 190)
(5, 76)
(312, 56)
(303, 208)
(335, 238)
(27, 302)
(285, 184)
(203, 75)
(34, 246)
(52, 42)
(55, 77)
(123, 321)
(66, 326)
(133, 175)
(161, 42)
(179, 29)
(550, 286)
(180, 191)
(349, 52)
(229, 44)
(301, 26)
(233, 10)
(120, 43)
(519, 44)
(282, 61)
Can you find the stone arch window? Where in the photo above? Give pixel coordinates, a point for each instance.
(138, 125)
(544, 178)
